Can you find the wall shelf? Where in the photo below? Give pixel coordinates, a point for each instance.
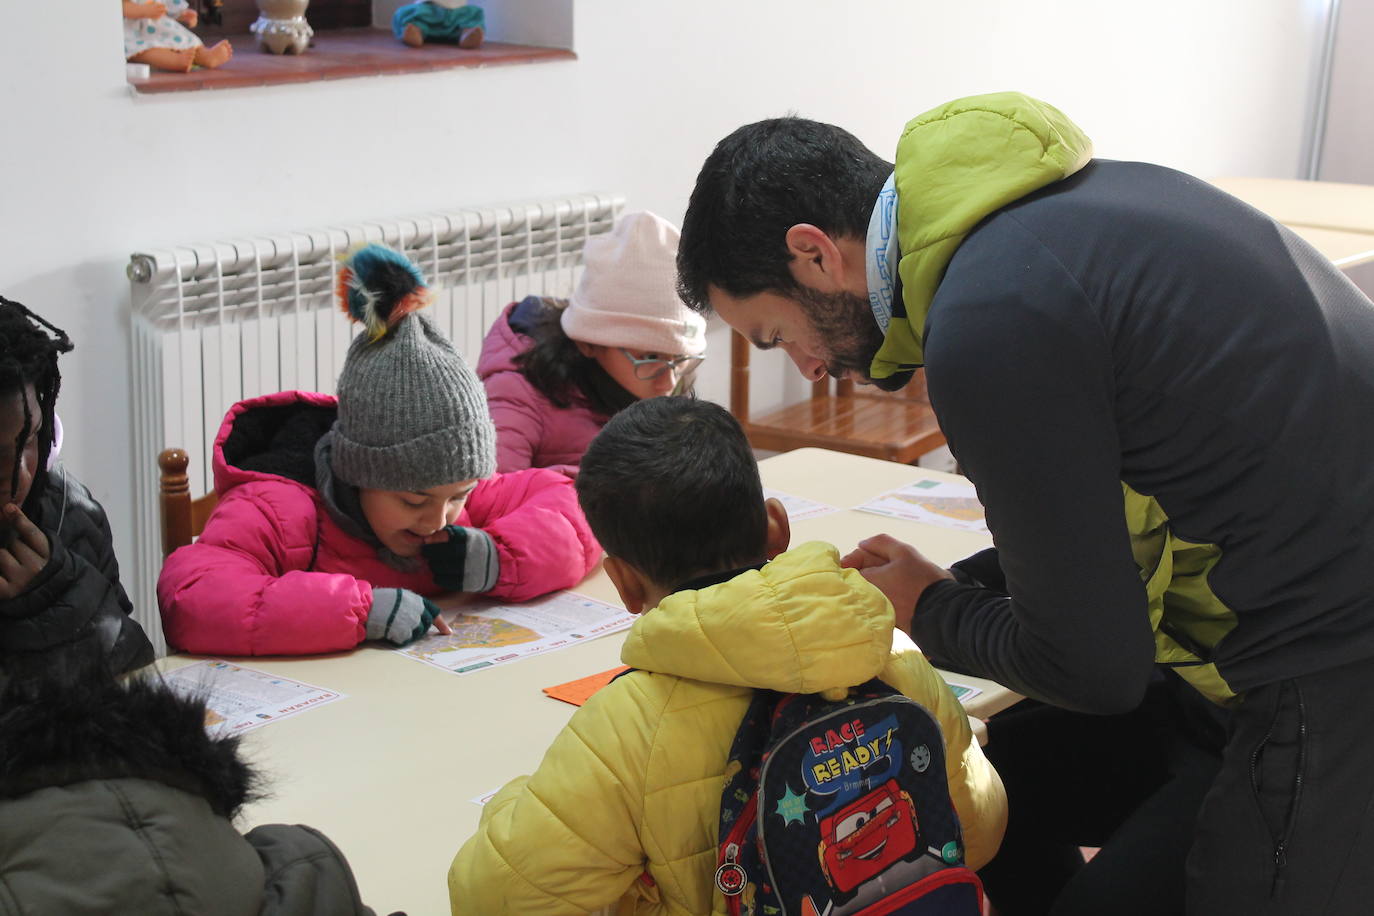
(342, 54)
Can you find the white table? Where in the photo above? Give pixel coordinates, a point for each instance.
(388, 773)
(1336, 219)
(1321, 204)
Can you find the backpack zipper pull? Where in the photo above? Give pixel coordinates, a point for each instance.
(730, 877)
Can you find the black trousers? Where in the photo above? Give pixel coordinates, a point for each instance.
(1131, 784)
(1281, 823)
(1288, 827)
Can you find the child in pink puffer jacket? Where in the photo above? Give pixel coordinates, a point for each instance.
(338, 520)
(557, 371)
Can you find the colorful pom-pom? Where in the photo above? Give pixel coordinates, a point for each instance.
(377, 287)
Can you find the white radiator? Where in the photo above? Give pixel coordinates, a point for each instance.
(219, 322)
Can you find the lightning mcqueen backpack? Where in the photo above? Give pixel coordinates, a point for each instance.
(841, 808)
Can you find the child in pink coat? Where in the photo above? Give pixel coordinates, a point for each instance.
(338, 520)
(556, 372)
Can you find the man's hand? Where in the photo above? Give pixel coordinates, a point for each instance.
(25, 557)
(898, 570)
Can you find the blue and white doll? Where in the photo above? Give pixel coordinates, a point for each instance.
(450, 21)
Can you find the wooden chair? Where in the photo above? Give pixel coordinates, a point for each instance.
(183, 518)
(896, 426)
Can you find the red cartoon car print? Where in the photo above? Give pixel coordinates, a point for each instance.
(867, 836)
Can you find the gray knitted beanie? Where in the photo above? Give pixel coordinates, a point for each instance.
(412, 415)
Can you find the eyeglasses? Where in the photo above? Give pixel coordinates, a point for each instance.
(653, 367)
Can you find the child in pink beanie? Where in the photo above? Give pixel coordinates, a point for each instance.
(556, 371)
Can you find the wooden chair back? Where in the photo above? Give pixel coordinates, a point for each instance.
(896, 426)
(183, 518)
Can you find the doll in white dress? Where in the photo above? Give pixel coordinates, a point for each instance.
(158, 34)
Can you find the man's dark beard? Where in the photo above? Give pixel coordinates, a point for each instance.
(845, 323)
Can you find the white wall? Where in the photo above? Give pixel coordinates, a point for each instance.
(91, 172)
(1348, 140)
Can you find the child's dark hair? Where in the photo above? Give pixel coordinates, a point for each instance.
(561, 373)
(29, 347)
(671, 487)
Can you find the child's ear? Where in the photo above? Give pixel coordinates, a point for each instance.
(586, 349)
(779, 529)
(629, 582)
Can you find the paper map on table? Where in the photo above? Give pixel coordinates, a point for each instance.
(798, 507)
(490, 636)
(935, 502)
(242, 699)
(963, 692)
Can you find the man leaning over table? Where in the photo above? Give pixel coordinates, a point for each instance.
(1166, 402)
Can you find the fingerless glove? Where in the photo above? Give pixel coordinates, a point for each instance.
(466, 562)
(399, 615)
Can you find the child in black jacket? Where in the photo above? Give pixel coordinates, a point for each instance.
(59, 580)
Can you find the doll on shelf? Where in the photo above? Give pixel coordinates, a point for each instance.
(451, 21)
(159, 34)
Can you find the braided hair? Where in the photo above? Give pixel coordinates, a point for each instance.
(29, 347)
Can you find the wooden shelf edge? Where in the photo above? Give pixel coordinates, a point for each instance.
(343, 54)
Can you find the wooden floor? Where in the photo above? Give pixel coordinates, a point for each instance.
(341, 54)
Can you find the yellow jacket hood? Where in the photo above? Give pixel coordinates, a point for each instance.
(801, 624)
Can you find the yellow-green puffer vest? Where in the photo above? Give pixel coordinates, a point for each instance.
(955, 166)
(623, 809)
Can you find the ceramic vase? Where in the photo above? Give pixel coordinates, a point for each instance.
(281, 27)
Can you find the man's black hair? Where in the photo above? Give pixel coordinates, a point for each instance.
(671, 487)
(759, 182)
(29, 347)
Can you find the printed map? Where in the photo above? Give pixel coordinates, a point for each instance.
(950, 504)
(505, 633)
(471, 632)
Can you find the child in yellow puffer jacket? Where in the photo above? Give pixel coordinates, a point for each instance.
(624, 807)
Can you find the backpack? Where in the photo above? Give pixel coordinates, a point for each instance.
(841, 808)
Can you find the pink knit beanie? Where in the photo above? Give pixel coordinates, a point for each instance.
(627, 296)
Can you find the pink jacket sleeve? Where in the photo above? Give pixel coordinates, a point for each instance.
(517, 411)
(541, 536)
(243, 587)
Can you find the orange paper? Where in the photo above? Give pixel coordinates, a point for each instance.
(580, 691)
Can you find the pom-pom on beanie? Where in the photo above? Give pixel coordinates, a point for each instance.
(412, 415)
(627, 296)
(378, 287)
